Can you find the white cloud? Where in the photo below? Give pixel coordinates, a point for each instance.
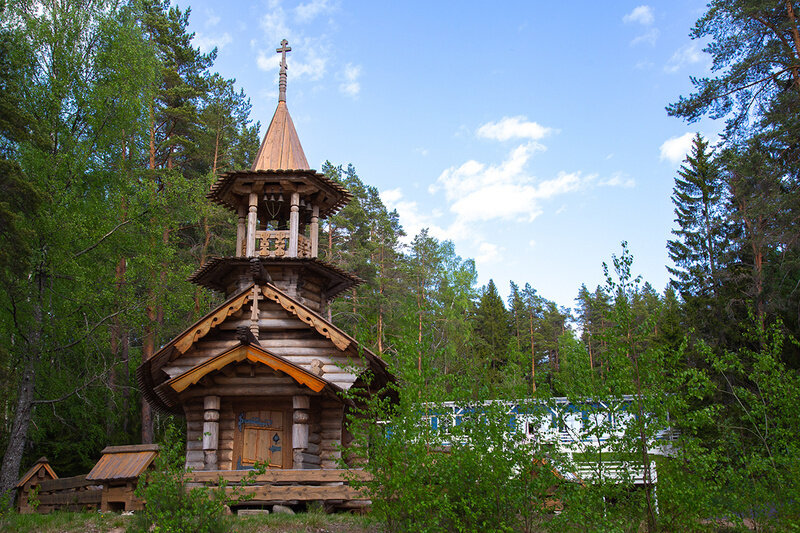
(412, 217)
(686, 55)
(618, 180)
(488, 252)
(212, 19)
(518, 127)
(675, 149)
(531, 243)
(311, 62)
(206, 43)
(479, 192)
(275, 26)
(309, 57)
(640, 15)
(309, 11)
(649, 37)
(351, 86)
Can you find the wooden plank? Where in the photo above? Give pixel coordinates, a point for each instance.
(281, 476)
(65, 483)
(274, 341)
(238, 391)
(66, 498)
(255, 381)
(135, 448)
(303, 493)
(314, 352)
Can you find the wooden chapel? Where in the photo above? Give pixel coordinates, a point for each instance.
(259, 378)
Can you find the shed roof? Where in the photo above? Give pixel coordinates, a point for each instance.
(123, 462)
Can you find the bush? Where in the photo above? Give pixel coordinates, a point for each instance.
(479, 475)
(171, 507)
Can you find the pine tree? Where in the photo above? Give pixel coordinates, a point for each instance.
(492, 328)
(700, 238)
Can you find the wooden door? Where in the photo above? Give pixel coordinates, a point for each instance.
(262, 438)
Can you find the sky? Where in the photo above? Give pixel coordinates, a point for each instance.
(531, 134)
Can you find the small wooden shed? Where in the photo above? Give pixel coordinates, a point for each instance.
(40, 471)
(118, 470)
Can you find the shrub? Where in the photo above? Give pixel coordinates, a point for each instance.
(172, 507)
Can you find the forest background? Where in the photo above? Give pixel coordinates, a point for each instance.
(113, 126)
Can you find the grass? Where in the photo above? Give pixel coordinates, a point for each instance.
(63, 522)
(312, 522)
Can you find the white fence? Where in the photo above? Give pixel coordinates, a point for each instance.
(571, 429)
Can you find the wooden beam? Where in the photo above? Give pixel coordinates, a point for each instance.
(300, 492)
(339, 339)
(185, 341)
(281, 476)
(182, 382)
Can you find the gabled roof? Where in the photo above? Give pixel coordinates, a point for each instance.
(42, 463)
(281, 149)
(161, 391)
(123, 462)
(252, 353)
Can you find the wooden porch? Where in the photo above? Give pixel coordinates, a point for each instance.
(279, 486)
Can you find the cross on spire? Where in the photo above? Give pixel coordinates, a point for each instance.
(282, 80)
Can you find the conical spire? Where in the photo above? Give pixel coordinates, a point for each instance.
(281, 148)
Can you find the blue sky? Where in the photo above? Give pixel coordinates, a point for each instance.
(531, 134)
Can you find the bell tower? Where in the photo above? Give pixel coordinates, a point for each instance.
(279, 203)
(260, 377)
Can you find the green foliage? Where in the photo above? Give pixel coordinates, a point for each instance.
(473, 473)
(171, 506)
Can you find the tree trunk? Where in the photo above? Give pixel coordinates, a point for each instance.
(12, 460)
(533, 359)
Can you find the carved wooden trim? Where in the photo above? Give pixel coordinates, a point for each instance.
(307, 316)
(238, 354)
(200, 330)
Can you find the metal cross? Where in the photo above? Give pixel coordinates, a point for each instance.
(282, 80)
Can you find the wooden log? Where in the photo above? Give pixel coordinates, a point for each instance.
(330, 454)
(331, 434)
(307, 458)
(330, 444)
(256, 381)
(301, 493)
(281, 476)
(312, 352)
(220, 344)
(312, 448)
(65, 498)
(340, 377)
(195, 456)
(273, 342)
(65, 483)
(245, 392)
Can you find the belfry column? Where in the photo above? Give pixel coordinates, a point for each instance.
(314, 230)
(300, 420)
(210, 432)
(241, 231)
(251, 225)
(294, 224)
